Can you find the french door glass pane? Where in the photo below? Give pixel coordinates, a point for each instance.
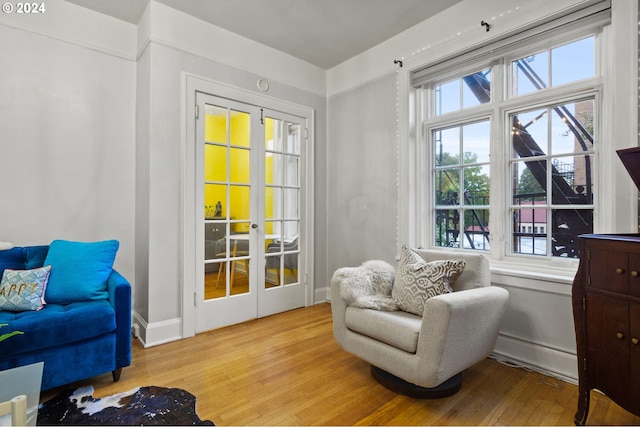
(226, 195)
(282, 202)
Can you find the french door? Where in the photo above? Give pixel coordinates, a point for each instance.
(249, 173)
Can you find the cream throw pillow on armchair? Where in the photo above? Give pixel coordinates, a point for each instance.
(418, 280)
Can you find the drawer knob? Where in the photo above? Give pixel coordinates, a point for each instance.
(619, 335)
(619, 270)
(634, 273)
(635, 341)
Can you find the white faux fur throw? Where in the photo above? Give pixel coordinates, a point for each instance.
(368, 286)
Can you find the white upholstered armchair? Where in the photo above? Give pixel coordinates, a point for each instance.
(424, 356)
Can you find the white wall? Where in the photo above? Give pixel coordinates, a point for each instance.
(363, 94)
(67, 95)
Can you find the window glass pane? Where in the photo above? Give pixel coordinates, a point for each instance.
(215, 197)
(447, 228)
(476, 185)
(239, 199)
(215, 163)
(239, 129)
(291, 203)
(215, 124)
(530, 73)
(529, 182)
(291, 172)
(447, 97)
(239, 169)
(476, 89)
(447, 184)
(572, 127)
(567, 225)
(529, 133)
(293, 138)
(476, 142)
(272, 202)
(529, 230)
(572, 180)
(469, 91)
(572, 62)
(447, 146)
(476, 229)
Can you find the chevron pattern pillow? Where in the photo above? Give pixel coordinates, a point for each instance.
(418, 280)
(23, 290)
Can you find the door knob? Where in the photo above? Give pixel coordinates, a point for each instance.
(634, 341)
(254, 225)
(619, 270)
(619, 336)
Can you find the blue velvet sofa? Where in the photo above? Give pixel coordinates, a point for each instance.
(75, 340)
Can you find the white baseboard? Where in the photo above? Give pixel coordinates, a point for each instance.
(156, 333)
(321, 295)
(538, 358)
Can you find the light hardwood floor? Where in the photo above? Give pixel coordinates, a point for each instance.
(287, 370)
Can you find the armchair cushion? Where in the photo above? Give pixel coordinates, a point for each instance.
(398, 328)
(418, 280)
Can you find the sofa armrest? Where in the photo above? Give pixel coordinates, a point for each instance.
(460, 329)
(120, 298)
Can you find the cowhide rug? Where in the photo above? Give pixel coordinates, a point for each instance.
(140, 406)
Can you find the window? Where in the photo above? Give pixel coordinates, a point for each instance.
(510, 148)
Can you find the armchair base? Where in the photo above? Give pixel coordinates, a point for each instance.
(400, 386)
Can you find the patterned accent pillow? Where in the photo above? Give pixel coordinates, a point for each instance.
(418, 280)
(23, 290)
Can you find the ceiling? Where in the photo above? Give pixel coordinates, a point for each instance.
(321, 32)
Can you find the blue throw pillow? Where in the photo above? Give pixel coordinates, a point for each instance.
(79, 270)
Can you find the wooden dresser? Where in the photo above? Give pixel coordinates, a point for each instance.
(606, 312)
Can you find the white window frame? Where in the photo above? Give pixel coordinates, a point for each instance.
(419, 229)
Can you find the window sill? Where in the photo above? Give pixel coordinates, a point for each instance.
(548, 277)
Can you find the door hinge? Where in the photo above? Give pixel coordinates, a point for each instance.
(195, 299)
(584, 303)
(306, 133)
(261, 116)
(197, 111)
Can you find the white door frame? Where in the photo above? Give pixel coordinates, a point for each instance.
(190, 265)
